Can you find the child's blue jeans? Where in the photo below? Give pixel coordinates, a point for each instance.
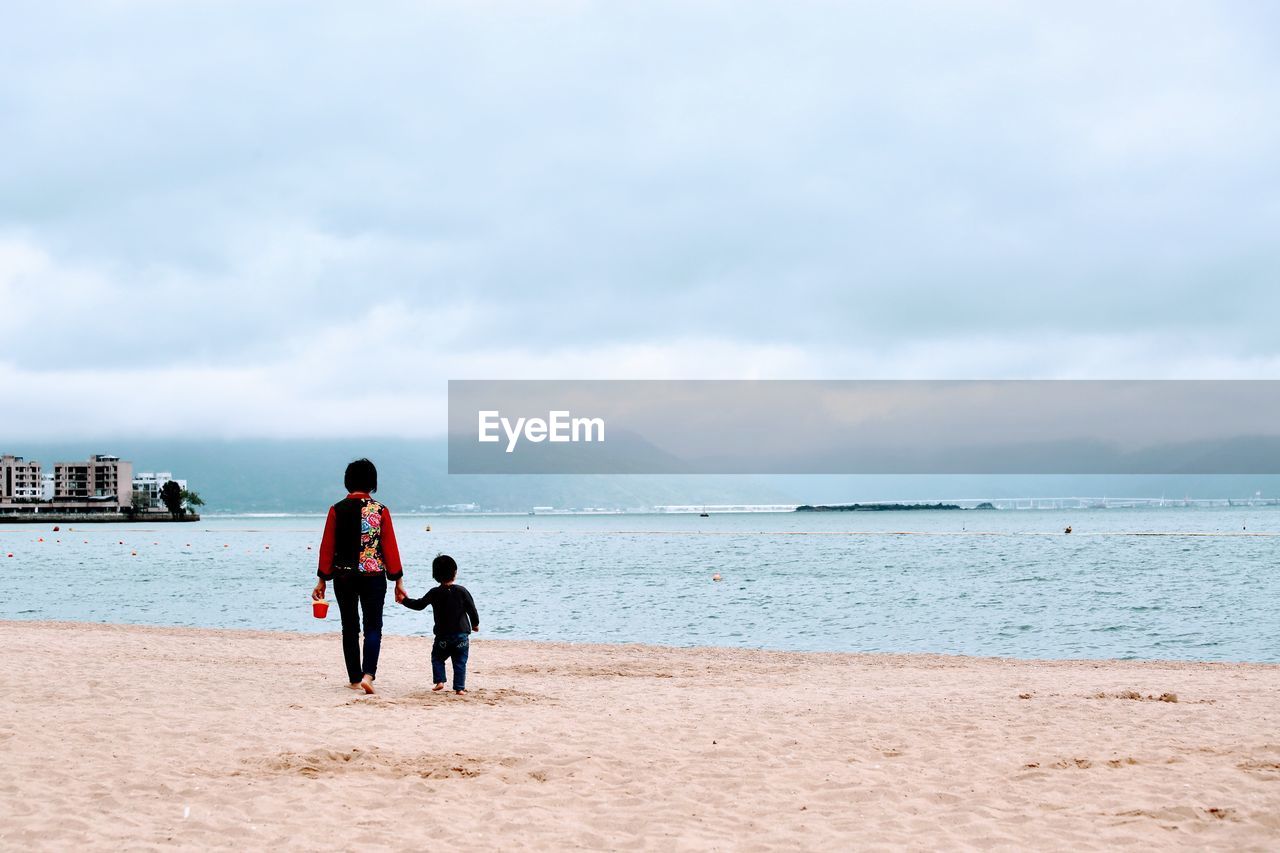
(454, 646)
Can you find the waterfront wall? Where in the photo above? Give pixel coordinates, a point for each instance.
(54, 517)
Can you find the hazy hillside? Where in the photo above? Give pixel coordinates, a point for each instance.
(300, 476)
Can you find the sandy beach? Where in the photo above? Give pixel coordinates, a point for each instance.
(146, 737)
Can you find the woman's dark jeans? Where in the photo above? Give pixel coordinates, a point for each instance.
(456, 646)
(356, 592)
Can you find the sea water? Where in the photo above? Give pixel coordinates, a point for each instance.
(1155, 583)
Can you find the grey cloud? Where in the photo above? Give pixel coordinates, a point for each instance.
(245, 177)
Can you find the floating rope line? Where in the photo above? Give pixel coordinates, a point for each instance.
(941, 533)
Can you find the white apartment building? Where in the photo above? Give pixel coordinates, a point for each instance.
(147, 486)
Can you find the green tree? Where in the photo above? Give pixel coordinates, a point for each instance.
(171, 497)
(191, 499)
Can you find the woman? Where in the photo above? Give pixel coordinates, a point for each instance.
(359, 553)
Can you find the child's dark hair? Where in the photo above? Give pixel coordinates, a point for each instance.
(361, 476)
(444, 568)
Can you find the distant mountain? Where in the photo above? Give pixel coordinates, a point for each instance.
(263, 475)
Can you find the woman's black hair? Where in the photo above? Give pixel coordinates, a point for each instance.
(444, 568)
(361, 476)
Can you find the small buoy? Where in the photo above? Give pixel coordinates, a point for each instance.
(715, 577)
(121, 541)
(133, 553)
(226, 546)
(308, 547)
(428, 528)
(41, 539)
(55, 528)
(8, 555)
(266, 547)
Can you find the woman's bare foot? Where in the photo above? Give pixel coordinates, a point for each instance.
(461, 692)
(366, 684)
(439, 686)
(355, 685)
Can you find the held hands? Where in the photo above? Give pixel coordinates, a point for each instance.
(317, 594)
(401, 595)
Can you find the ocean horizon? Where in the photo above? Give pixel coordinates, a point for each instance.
(1182, 583)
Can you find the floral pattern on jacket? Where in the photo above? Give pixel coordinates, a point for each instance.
(371, 538)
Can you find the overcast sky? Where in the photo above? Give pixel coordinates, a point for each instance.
(297, 218)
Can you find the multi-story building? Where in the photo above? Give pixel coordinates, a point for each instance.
(101, 480)
(20, 481)
(147, 486)
(102, 486)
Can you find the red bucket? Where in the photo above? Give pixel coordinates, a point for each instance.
(320, 609)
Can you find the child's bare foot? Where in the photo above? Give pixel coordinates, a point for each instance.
(439, 686)
(366, 684)
(461, 692)
(355, 685)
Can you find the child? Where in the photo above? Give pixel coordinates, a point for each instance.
(455, 619)
(359, 554)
